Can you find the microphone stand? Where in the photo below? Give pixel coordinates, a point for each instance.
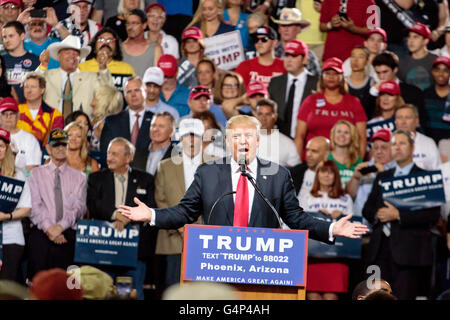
(216, 202)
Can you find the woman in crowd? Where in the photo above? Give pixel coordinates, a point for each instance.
(192, 51)
(209, 19)
(229, 93)
(82, 118)
(213, 144)
(206, 73)
(6, 90)
(13, 234)
(345, 146)
(319, 112)
(388, 100)
(326, 280)
(117, 23)
(107, 100)
(77, 156)
(235, 16)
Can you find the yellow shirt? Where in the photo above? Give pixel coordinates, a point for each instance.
(312, 34)
(119, 70)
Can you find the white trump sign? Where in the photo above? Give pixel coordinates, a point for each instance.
(225, 50)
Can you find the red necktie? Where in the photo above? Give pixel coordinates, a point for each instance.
(241, 203)
(135, 131)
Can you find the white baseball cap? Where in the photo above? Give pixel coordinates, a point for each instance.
(188, 126)
(154, 75)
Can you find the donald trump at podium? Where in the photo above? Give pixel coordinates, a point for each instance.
(246, 208)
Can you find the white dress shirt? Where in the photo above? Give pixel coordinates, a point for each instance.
(299, 87)
(190, 166)
(133, 118)
(426, 154)
(278, 148)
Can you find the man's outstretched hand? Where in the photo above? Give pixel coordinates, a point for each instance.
(344, 228)
(139, 213)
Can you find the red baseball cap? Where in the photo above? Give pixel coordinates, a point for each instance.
(199, 91)
(16, 2)
(168, 65)
(333, 63)
(443, 60)
(9, 103)
(4, 135)
(192, 33)
(52, 285)
(382, 134)
(256, 87)
(155, 5)
(390, 87)
(296, 48)
(420, 29)
(378, 30)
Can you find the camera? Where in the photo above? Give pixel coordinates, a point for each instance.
(343, 15)
(38, 13)
(124, 287)
(368, 169)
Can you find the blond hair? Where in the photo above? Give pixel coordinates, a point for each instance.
(84, 144)
(353, 148)
(109, 101)
(8, 168)
(198, 18)
(243, 119)
(121, 8)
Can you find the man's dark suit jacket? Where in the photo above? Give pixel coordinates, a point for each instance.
(410, 239)
(277, 91)
(141, 156)
(101, 202)
(118, 125)
(213, 180)
(297, 173)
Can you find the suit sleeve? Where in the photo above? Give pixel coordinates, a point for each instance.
(94, 199)
(187, 211)
(105, 138)
(373, 203)
(160, 195)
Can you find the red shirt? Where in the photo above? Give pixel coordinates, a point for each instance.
(320, 115)
(339, 42)
(252, 70)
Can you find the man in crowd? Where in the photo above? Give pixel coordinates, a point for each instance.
(274, 145)
(172, 92)
(133, 123)
(162, 128)
(289, 89)
(290, 26)
(154, 79)
(68, 88)
(10, 10)
(400, 243)
(118, 185)
(106, 43)
(173, 178)
(17, 60)
(426, 154)
(303, 174)
(415, 68)
(24, 144)
(78, 23)
(265, 66)
(255, 91)
(58, 196)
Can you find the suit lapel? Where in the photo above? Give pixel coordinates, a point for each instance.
(258, 203)
(145, 128)
(110, 188)
(179, 174)
(131, 187)
(282, 94)
(309, 86)
(225, 183)
(125, 125)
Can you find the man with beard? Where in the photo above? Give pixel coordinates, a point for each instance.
(106, 42)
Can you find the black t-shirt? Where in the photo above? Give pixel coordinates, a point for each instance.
(431, 116)
(362, 93)
(118, 25)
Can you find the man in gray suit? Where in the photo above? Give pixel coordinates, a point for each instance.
(291, 88)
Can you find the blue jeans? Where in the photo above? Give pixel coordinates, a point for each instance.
(137, 274)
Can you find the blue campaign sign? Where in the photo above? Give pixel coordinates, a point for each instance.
(415, 191)
(97, 242)
(10, 192)
(245, 255)
(342, 248)
(375, 126)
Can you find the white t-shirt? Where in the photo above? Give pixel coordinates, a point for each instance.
(426, 153)
(308, 181)
(370, 70)
(28, 150)
(12, 230)
(343, 203)
(278, 148)
(169, 44)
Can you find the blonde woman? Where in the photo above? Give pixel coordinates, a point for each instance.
(13, 236)
(107, 100)
(209, 18)
(77, 156)
(345, 145)
(118, 22)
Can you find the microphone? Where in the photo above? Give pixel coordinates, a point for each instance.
(242, 163)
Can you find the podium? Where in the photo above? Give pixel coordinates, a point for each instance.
(259, 263)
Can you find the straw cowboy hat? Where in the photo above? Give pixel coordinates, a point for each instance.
(291, 16)
(70, 42)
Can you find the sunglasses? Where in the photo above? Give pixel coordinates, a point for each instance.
(263, 39)
(106, 40)
(203, 90)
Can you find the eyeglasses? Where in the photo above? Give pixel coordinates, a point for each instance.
(36, 24)
(230, 85)
(10, 6)
(106, 40)
(263, 39)
(153, 16)
(197, 90)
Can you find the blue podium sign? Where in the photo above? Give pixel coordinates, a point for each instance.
(97, 242)
(342, 247)
(375, 126)
(10, 192)
(245, 255)
(415, 191)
